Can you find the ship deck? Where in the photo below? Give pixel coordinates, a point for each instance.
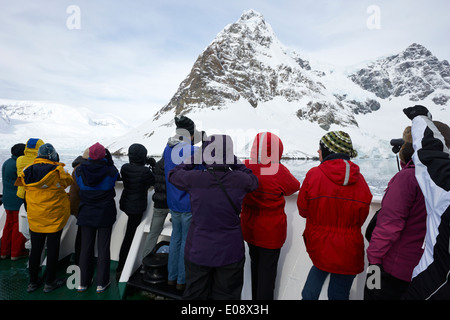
(294, 264)
(14, 280)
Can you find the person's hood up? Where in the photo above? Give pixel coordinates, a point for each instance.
(340, 170)
(32, 146)
(267, 148)
(216, 151)
(173, 141)
(93, 172)
(137, 154)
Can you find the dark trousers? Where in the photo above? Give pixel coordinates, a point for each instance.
(133, 222)
(77, 246)
(87, 255)
(391, 288)
(264, 263)
(214, 283)
(37, 246)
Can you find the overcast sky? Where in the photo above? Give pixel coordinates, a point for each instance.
(129, 57)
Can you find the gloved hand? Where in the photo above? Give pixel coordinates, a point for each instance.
(417, 110)
(150, 161)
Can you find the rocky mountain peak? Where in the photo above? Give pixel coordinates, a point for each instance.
(252, 16)
(246, 80)
(414, 72)
(247, 61)
(415, 51)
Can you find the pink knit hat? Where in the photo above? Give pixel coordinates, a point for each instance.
(97, 151)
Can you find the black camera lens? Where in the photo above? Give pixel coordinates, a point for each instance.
(396, 145)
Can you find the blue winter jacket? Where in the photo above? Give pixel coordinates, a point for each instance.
(96, 180)
(9, 173)
(174, 154)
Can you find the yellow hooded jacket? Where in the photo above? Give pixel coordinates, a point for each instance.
(48, 205)
(30, 153)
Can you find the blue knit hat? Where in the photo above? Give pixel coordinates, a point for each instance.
(47, 151)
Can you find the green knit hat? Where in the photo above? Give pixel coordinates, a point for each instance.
(338, 142)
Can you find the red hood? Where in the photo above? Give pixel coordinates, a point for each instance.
(341, 172)
(267, 148)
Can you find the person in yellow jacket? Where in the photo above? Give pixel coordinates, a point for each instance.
(30, 153)
(48, 209)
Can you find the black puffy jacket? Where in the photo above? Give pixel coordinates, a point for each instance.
(137, 179)
(160, 197)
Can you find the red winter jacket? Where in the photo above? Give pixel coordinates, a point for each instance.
(335, 200)
(263, 219)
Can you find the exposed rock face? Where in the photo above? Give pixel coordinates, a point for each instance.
(246, 81)
(415, 72)
(247, 61)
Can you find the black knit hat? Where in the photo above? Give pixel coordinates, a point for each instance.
(185, 123)
(18, 149)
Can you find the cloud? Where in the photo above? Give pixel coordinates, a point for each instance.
(130, 56)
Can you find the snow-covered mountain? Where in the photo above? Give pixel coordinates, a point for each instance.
(415, 72)
(247, 62)
(246, 81)
(67, 128)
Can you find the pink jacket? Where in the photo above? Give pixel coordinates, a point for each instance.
(398, 237)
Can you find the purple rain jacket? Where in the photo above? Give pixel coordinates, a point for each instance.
(397, 239)
(215, 237)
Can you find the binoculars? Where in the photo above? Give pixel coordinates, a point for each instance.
(396, 145)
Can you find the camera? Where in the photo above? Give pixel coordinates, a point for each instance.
(396, 145)
(150, 161)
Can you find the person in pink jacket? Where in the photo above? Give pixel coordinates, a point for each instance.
(397, 240)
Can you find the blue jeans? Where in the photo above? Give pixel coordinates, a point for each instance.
(338, 288)
(180, 226)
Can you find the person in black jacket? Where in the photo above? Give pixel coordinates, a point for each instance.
(160, 208)
(137, 179)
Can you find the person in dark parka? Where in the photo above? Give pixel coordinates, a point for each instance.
(214, 252)
(96, 178)
(137, 179)
(160, 207)
(13, 241)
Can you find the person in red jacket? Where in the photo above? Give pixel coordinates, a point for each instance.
(263, 219)
(334, 199)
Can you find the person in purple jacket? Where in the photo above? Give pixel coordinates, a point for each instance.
(214, 252)
(396, 245)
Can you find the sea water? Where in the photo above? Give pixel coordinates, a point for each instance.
(377, 172)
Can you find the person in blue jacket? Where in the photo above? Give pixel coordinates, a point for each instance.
(179, 148)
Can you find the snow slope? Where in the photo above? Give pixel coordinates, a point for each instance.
(246, 82)
(67, 128)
